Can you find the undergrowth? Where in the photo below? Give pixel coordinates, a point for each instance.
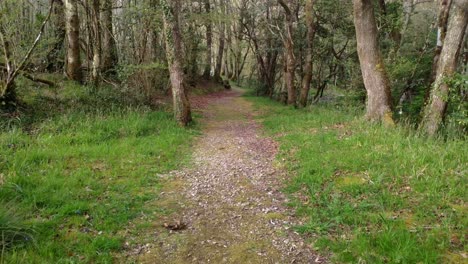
(76, 167)
(372, 194)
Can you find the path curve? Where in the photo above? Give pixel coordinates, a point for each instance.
(230, 197)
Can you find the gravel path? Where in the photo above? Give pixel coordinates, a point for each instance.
(228, 207)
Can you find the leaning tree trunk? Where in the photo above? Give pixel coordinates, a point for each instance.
(434, 112)
(73, 71)
(372, 66)
(309, 57)
(209, 41)
(290, 58)
(109, 47)
(8, 97)
(172, 9)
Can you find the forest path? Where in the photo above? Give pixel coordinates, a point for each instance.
(229, 198)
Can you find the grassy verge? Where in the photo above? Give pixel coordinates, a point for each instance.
(76, 169)
(372, 194)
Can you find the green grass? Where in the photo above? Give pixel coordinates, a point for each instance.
(76, 169)
(372, 194)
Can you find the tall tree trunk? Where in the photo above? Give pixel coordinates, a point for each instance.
(372, 66)
(96, 72)
(109, 47)
(434, 112)
(53, 62)
(209, 41)
(227, 71)
(219, 59)
(172, 10)
(73, 71)
(290, 58)
(442, 22)
(309, 57)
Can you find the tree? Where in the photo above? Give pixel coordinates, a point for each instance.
(10, 71)
(376, 82)
(310, 23)
(172, 10)
(109, 49)
(53, 62)
(290, 59)
(209, 41)
(72, 22)
(221, 42)
(435, 110)
(96, 71)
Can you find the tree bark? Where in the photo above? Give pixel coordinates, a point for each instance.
(442, 22)
(435, 110)
(372, 66)
(53, 62)
(209, 41)
(109, 47)
(219, 59)
(172, 10)
(290, 58)
(73, 71)
(309, 9)
(96, 72)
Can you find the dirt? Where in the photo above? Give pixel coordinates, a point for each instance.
(227, 205)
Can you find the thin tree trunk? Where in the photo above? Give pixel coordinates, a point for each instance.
(290, 58)
(372, 66)
(309, 56)
(209, 41)
(96, 72)
(219, 59)
(73, 71)
(53, 62)
(172, 9)
(434, 112)
(109, 47)
(283, 97)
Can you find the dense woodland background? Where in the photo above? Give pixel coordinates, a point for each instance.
(402, 63)
(298, 52)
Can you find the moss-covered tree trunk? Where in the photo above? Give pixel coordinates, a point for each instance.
(172, 10)
(434, 112)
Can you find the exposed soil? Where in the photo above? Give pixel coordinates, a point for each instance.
(227, 206)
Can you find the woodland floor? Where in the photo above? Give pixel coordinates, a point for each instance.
(226, 205)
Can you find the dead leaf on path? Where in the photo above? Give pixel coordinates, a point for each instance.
(177, 226)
